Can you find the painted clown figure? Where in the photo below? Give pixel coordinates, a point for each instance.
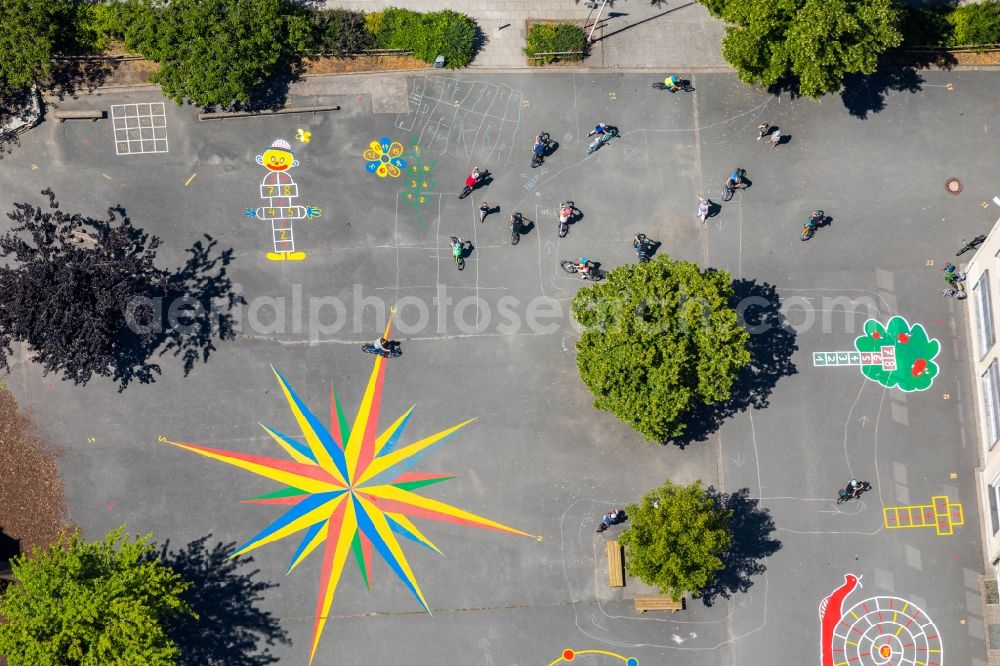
(278, 190)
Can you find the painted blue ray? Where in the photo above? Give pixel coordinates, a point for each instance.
(325, 438)
(389, 475)
(297, 511)
(366, 525)
(390, 443)
(399, 529)
(298, 446)
(310, 533)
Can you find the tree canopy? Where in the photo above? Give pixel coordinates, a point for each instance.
(211, 52)
(676, 538)
(816, 41)
(87, 299)
(660, 339)
(91, 604)
(30, 31)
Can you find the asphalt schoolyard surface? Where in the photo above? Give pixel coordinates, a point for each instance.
(495, 341)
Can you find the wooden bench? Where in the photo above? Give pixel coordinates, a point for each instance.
(63, 116)
(616, 575)
(643, 604)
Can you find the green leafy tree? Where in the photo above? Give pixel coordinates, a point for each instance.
(676, 538)
(211, 52)
(661, 338)
(816, 41)
(91, 604)
(30, 31)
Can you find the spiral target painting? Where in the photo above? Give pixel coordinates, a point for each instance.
(886, 631)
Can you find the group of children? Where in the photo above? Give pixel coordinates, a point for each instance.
(954, 278)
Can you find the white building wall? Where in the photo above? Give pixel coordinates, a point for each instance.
(982, 285)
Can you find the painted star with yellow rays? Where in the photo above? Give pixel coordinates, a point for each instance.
(349, 488)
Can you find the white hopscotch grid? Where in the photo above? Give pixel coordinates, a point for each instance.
(139, 128)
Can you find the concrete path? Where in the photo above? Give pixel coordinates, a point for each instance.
(634, 33)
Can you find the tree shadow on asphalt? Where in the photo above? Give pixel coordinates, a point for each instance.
(750, 528)
(71, 76)
(192, 310)
(863, 94)
(771, 346)
(230, 630)
(271, 94)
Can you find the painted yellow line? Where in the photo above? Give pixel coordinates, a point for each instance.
(188, 181)
(106, 175)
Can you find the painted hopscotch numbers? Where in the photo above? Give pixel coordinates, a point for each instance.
(941, 514)
(895, 355)
(385, 157)
(278, 190)
(876, 631)
(419, 181)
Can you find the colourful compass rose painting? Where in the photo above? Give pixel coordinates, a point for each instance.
(895, 355)
(349, 489)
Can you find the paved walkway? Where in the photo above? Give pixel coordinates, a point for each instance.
(672, 36)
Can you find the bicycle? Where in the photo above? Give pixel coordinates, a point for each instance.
(564, 219)
(971, 245)
(515, 228)
(729, 189)
(572, 267)
(537, 158)
(459, 259)
(389, 353)
(602, 139)
(681, 85)
(642, 245)
(843, 495)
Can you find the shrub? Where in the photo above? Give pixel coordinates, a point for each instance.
(450, 34)
(373, 22)
(926, 26)
(554, 38)
(341, 31)
(429, 35)
(976, 24)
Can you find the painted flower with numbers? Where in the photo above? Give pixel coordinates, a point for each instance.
(383, 158)
(905, 354)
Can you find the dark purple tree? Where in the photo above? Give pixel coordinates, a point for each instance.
(86, 298)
